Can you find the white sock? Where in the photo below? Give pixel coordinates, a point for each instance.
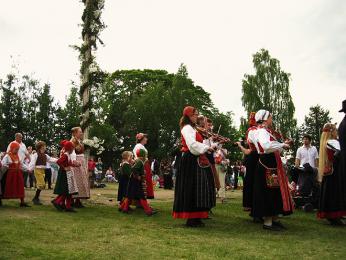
(268, 221)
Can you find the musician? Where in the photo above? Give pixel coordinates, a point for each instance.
(271, 192)
(193, 197)
(250, 162)
(221, 164)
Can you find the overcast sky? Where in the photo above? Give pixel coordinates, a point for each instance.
(215, 39)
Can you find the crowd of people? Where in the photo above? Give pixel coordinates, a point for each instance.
(200, 172)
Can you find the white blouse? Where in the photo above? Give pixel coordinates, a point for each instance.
(138, 147)
(195, 147)
(6, 161)
(262, 137)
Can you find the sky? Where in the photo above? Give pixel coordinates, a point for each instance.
(214, 39)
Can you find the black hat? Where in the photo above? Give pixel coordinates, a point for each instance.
(343, 106)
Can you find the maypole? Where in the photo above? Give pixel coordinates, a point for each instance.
(91, 27)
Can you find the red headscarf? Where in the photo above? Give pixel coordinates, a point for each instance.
(188, 111)
(14, 156)
(67, 145)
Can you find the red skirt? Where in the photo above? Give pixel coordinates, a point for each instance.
(149, 180)
(14, 187)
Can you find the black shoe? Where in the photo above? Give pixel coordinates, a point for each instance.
(70, 210)
(24, 205)
(0, 202)
(336, 222)
(279, 224)
(272, 228)
(191, 222)
(199, 223)
(79, 205)
(36, 201)
(57, 206)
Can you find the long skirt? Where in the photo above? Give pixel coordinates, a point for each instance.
(81, 175)
(251, 161)
(123, 186)
(194, 193)
(332, 199)
(167, 181)
(61, 186)
(149, 180)
(267, 201)
(135, 189)
(14, 185)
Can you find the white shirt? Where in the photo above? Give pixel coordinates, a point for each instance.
(138, 147)
(33, 161)
(22, 151)
(307, 154)
(262, 138)
(251, 138)
(195, 147)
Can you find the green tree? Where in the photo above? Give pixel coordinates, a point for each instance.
(268, 88)
(314, 122)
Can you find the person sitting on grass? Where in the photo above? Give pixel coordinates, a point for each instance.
(136, 188)
(38, 164)
(13, 181)
(65, 185)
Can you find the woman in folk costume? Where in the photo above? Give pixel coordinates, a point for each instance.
(13, 181)
(142, 140)
(125, 173)
(135, 189)
(271, 193)
(332, 200)
(38, 164)
(65, 185)
(194, 195)
(250, 162)
(80, 173)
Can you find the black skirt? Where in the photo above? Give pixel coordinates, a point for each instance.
(332, 200)
(194, 188)
(267, 202)
(167, 181)
(135, 190)
(123, 186)
(250, 162)
(61, 186)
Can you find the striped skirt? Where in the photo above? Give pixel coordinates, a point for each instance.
(194, 189)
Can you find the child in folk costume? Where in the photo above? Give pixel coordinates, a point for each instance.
(38, 164)
(142, 140)
(136, 190)
(125, 173)
(13, 181)
(332, 204)
(65, 185)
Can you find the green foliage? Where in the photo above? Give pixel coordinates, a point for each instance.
(314, 122)
(268, 89)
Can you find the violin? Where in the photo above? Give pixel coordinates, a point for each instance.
(208, 134)
(281, 138)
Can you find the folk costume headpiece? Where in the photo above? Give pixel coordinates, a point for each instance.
(141, 153)
(13, 146)
(328, 127)
(189, 111)
(140, 136)
(14, 155)
(262, 115)
(252, 119)
(67, 145)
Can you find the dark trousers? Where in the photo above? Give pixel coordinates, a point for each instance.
(48, 177)
(31, 178)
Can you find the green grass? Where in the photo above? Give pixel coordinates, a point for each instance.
(101, 232)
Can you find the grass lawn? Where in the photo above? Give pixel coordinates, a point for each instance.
(100, 232)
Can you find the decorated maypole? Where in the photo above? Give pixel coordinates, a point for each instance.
(91, 27)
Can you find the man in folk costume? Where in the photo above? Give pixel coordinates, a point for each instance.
(194, 197)
(142, 140)
(38, 164)
(250, 162)
(80, 173)
(271, 193)
(13, 182)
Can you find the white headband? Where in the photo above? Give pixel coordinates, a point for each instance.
(262, 115)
